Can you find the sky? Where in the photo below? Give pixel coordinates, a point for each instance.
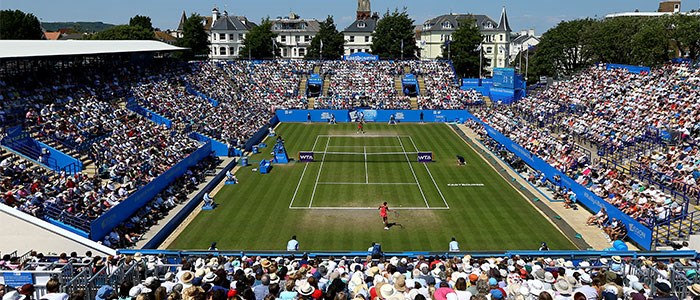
(165, 14)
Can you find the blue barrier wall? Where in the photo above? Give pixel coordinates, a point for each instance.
(220, 148)
(260, 135)
(639, 233)
(63, 161)
(372, 115)
(132, 105)
(317, 115)
(169, 227)
(117, 214)
(631, 69)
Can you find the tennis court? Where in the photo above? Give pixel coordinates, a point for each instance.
(372, 168)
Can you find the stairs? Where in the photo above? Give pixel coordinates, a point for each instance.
(303, 83)
(398, 85)
(414, 103)
(421, 85)
(678, 230)
(317, 69)
(406, 69)
(487, 101)
(89, 166)
(326, 85)
(312, 102)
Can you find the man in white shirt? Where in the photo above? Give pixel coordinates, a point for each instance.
(293, 244)
(454, 246)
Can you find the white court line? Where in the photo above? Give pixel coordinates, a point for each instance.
(368, 183)
(313, 193)
(414, 173)
(363, 146)
(302, 177)
(366, 208)
(361, 136)
(366, 172)
(431, 176)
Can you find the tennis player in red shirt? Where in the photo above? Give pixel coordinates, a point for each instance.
(384, 213)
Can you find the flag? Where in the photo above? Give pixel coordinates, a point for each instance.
(274, 43)
(321, 45)
(478, 48)
(401, 46)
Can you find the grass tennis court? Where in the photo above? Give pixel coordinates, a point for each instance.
(330, 203)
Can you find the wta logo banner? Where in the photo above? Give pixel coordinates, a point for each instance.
(306, 156)
(425, 156)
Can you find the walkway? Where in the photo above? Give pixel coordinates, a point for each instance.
(570, 222)
(172, 213)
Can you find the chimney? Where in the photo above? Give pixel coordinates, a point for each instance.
(214, 14)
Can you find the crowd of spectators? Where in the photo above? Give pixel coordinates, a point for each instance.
(362, 84)
(405, 278)
(441, 88)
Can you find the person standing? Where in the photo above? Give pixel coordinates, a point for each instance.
(384, 213)
(454, 246)
(360, 127)
(293, 244)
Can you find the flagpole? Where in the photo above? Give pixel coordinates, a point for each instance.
(401, 49)
(527, 60)
(520, 59)
(480, 58)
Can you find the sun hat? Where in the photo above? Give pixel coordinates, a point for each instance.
(400, 283)
(535, 286)
(274, 278)
(663, 286)
(585, 278)
(694, 289)
(134, 291)
(305, 289)
(186, 277)
(387, 290)
(209, 278)
(563, 286)
(616, 259)
(549, 277)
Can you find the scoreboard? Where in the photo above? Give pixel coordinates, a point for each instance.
(504, 78)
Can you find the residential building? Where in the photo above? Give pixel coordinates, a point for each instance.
(227, 34)
(666, 8)
(522, 41)
(436, 33)
(358, 36)
(294, 35)
(208, 20)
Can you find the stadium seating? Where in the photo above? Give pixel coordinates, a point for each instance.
(488, 276)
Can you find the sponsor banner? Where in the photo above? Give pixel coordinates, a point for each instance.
(425, 156)
(306, 156)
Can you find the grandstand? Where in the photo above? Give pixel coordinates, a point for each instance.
(111, 147)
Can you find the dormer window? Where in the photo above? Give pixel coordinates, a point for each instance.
(361, 25)
(447, 25)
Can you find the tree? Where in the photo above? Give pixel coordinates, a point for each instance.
(17, 25)
(464, 49)
(650, 45)
(560, 51)
(124, 32)
(194, 37)
(392, 31)
(141, 21)
(610, 40)
(685, 31)
(259, 41)
(333, 41)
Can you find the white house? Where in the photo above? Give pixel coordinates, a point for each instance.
(435, 34)
(358, 36)
(227, 34)
(522, 41)
(294, 35)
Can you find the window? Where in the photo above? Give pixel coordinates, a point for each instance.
(367, 39)
(222, 50)
(241, 36)
(447, 25)
(501, 36)
(352, 38)
(222, 36)
(231, 38)
(283, 38)
(232, 51)
(489, 50)
(214, 36)
(297, 38)
(302, 51)
(307, 38)
(361, 24)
